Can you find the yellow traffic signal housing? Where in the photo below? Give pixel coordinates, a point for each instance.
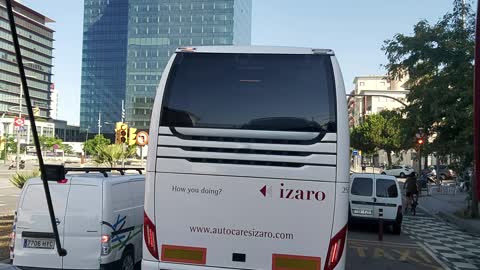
(132, 136)
(118, 130)
(123, 133)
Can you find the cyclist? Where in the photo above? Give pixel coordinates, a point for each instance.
(411, 186)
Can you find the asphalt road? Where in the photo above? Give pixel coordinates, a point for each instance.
(8, 193)
(395, 252)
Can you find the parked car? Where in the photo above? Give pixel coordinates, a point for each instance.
(445, 172)
(372, 193)
(399, 170)
(99, 218)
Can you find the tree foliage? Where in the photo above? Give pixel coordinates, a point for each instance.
(438, 60)
(378, 132)
(19, 179)
(111, 154)
(67, 149)
(47, 143)
(92, 145)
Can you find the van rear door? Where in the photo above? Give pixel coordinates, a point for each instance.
(34, 241)
(388, 197)
(82, 237)
(362, 198)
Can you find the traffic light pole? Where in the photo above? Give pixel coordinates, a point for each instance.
(476, 120)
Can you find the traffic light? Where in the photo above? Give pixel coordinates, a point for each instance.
(117, 132)
(132, 136)
(123, 133)
(420, 141)
(121, 130)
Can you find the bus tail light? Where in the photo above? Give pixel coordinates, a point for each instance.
(335, 250)
(150, 235)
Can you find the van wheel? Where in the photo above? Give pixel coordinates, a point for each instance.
(127, 262)
(397, 228)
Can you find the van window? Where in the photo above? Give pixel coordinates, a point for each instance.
(362, 187)
(251, 91)
(386, 188)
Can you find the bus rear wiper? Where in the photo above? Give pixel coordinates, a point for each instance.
(49, 172)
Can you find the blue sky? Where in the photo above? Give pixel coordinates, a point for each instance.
(354, 29)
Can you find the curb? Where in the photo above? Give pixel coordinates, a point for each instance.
(442, 264)
(449, 218)
(459, 222)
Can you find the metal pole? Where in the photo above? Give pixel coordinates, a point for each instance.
(123, 111)
(419, 159)
(476, 120)
(123, 155)
(62, 252)
(99, 121)
(375, 95)
(141, 156)
(380, 224)
(18, 130)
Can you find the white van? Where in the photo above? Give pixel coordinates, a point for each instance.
(248, 164)
(372, 194)
(99, 220)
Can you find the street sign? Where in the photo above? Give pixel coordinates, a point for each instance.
(19, 122)
(142, 138)
(355, 152)
(55, 146)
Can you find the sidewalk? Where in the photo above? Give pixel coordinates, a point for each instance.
(446, 206)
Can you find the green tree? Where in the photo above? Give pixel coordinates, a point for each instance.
(111, 154)
(361, 139)
(390, 139)
(67, 149)
(378, 132)
(92, 144)
(438, 60)
(47, 143)
(19, 179)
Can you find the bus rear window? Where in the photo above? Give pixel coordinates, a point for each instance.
(251, 91)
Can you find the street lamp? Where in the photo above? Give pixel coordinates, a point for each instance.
(20, 102)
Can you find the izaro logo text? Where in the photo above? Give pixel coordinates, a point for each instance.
(294, 194)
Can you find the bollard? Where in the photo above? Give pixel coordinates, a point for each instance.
(380, 224)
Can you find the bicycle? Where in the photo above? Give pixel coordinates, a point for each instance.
(414, 203)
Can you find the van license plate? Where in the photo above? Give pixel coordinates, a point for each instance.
(362, 212)
(39, 243)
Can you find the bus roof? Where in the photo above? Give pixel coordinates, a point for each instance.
(255, 49)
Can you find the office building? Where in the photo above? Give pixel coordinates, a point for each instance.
(36, 44)
(124, 57)
(360, 106)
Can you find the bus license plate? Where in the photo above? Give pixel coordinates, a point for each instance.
(362, 212)
(39, 243)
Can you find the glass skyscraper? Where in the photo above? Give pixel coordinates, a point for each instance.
(149, 35)
(104, 62)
